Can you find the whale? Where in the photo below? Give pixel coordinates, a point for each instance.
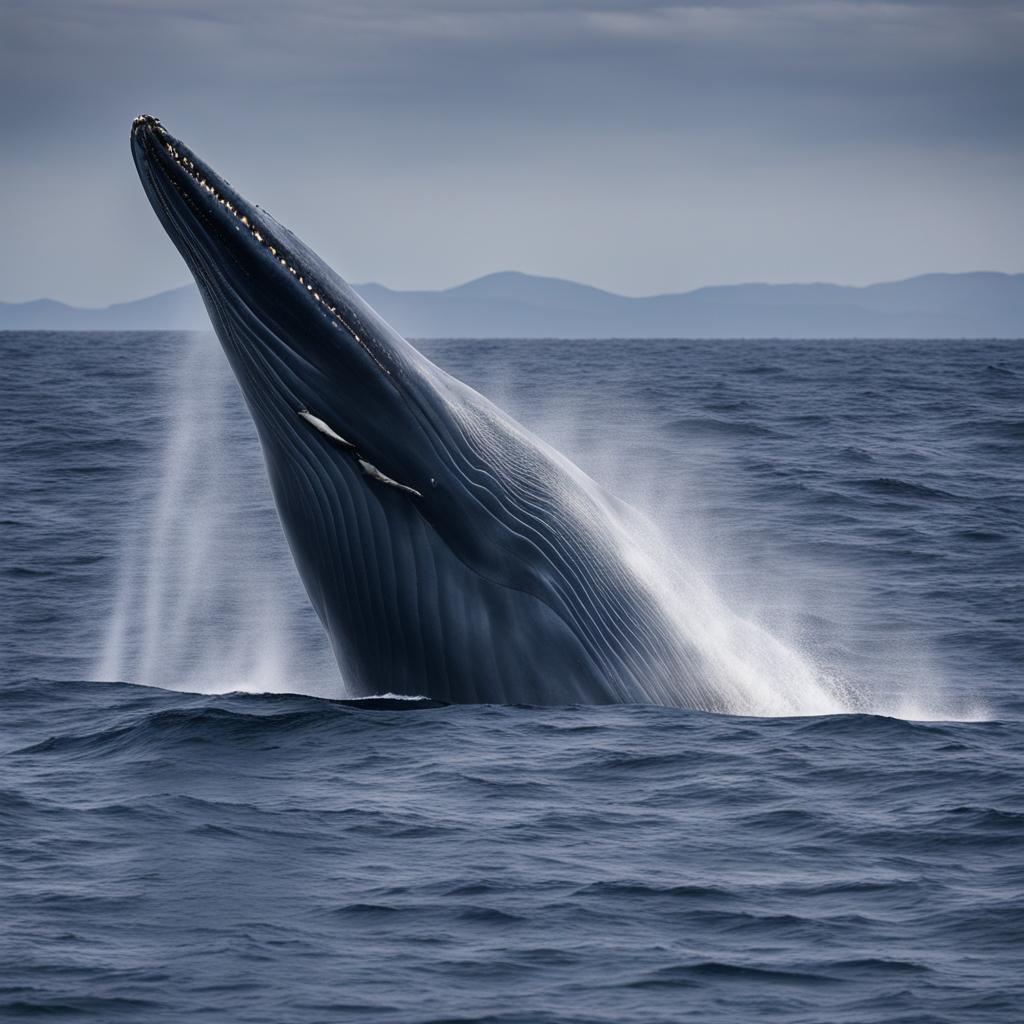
(449, 553)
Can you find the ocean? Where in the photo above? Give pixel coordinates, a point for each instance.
(194, 828)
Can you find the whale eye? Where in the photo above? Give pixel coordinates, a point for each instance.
(433, 482)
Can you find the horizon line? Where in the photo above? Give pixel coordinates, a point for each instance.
(563, 280)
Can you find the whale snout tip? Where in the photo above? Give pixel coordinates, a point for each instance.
(146, 120)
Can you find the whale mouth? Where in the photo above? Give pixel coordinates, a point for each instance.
(213, 200)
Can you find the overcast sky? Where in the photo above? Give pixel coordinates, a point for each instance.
(638, 146)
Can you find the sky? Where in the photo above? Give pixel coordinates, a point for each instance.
(639, 146)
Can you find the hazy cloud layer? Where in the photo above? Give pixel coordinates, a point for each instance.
(639, 146)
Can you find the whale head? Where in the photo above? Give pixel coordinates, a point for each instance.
(447, 551)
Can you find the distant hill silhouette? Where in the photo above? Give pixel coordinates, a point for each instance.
(513, 305)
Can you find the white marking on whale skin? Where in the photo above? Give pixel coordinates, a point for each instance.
(372, 471)
(367, 467)
(324, 429)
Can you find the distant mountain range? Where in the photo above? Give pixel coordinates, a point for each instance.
(513, 305)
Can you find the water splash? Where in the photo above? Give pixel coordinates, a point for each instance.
(199, 604)
(204, 603)
(772, 649)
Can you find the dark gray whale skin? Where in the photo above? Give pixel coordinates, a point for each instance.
(503, 580)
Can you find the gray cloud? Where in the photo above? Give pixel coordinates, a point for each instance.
(642, 146)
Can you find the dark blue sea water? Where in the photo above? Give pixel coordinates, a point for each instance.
(171, 851)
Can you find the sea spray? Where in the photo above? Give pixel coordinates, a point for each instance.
(780, 628)
(199, 603)
(202, 603)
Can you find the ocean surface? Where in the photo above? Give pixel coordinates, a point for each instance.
(193, 828)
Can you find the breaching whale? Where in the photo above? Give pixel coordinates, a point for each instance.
(448, 553)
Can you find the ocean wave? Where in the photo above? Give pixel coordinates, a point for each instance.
(891, 486)
(710, 427)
